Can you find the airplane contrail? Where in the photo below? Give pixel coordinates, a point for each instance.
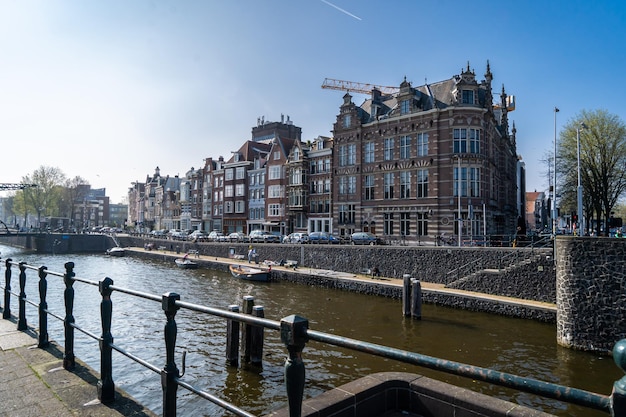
(341, 10)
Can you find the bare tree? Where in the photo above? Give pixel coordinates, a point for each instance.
(73, 194)
(602, 139)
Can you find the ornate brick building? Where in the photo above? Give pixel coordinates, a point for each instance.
(412, 163)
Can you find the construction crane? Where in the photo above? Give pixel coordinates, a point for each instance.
(355, 87)
(6, 186)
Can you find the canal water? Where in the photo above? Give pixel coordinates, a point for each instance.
(522, 347)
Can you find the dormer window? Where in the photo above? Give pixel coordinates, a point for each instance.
(296, 154)
(468, 97)
(405, 106)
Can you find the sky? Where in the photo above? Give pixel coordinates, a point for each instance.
(109, 90)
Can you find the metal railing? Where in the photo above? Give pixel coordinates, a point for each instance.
(294, 331)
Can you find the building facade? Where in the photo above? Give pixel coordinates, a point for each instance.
(431, 160)
(412, 164)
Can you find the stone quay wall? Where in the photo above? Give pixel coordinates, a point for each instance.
(515, 272)
(591, 292)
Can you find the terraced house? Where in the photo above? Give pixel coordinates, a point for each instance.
(408, 163)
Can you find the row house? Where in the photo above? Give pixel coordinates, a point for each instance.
(425, 161)
(421, 161)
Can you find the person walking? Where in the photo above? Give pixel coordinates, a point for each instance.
(251, 254)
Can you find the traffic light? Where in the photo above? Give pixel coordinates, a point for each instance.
(575, 217)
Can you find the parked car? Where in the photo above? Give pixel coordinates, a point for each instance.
(296, 238)
(197, 235)
(365, 238)
(323, 237)
(263, 236)
(216, 236)
(237, 237)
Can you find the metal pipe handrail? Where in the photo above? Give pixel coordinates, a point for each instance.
(295, 333)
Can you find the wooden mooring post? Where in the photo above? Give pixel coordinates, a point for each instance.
(232, 338)
(256, 338)
(411, 297)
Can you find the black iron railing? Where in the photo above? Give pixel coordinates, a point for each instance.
(294, 332)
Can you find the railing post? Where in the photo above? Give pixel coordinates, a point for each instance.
(106, 387)
(256, 338)
(43, 307)
(21, 317)
(6, 313)
(69, 360)
(232, 338)
(293, 333)
(169, 374)
(618, 396)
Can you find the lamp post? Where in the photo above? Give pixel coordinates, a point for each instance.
(579, 190)
(554, 209)
(554, 206)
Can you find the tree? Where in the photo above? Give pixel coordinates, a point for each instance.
(46, 196)
(74, 193)
(602, 164)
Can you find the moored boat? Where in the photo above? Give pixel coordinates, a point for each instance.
(250, 274)
(116, 251)
(186, 263)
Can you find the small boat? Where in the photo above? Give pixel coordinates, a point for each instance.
(250, 274)
(116, 251)
(186, 263)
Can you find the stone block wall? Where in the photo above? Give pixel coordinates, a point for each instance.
(533, 280)
(591, 292)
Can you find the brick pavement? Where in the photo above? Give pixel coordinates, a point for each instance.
(33, 382)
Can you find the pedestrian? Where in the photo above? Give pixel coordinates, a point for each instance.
(251, 254)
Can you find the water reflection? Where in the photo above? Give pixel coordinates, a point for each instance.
(516, 346)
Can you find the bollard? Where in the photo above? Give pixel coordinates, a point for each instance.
(416, 299)
(106, 387)
(169, 374)
(43, 307)
(232, 338)
(618, 396)
(248, 304)
(406, 295)
(256, 338)
(293, 333)
(6, 312)
(21, 317)
(69, 360)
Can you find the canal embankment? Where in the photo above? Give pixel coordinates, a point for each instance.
(391, 287)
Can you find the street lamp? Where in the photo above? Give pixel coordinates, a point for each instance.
(579, 190)
(554, 206)
(554, 209)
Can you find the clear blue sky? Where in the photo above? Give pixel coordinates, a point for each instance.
(110, 89)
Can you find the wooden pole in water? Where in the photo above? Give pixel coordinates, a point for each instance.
(416, 299)
(406, 295)
(246, 339)
(232, 338)
(256, 338)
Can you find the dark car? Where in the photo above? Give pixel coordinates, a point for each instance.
(322, 237)
(364, 238)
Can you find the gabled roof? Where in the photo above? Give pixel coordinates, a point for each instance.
(251, 150)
